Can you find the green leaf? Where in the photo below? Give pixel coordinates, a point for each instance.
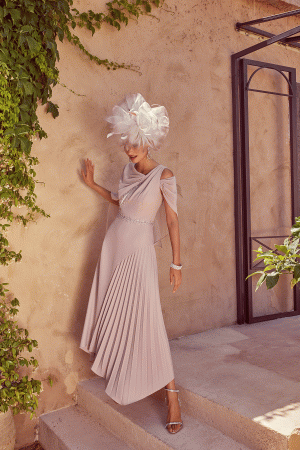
(26, 29)
(272, 279)
(15, 15)
(24, 107)
(25, 144)
(297, 272)
(294, 244)
(9, 132)
(33, 45)
(282, 248)
(295, 230)
(293, 282)
(60, 34)
(254, 273)
(269, 267)
(28, 88)
(261, 280)
(53, 108)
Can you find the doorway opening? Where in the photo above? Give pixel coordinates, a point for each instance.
(266, 181)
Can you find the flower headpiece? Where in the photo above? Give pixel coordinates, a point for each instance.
(138, 123)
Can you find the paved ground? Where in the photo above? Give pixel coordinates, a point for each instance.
(254, 370)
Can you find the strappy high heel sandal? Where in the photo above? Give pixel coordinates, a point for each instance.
(173, 423)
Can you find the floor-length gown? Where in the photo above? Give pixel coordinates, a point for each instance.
(124, 330)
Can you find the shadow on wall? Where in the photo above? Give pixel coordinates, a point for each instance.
(93, 122)
(96, 230)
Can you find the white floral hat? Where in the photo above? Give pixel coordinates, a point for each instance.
(138, 123)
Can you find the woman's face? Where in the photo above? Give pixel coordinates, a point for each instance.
(135, 152)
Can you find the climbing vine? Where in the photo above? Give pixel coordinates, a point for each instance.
(29, 30)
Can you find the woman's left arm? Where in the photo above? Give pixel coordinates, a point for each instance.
(173, 227)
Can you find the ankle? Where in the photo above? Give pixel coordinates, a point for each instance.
(174, 401)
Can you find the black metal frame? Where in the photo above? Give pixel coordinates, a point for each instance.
(289, 41)
(243, 239)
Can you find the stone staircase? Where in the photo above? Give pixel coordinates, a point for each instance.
(97, 422)
(239, 389)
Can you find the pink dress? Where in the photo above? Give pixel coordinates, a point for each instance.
(124, 330)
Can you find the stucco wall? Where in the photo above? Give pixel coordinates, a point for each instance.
(184, 58)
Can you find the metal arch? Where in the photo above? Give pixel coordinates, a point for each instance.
(271, 68)
(242, 189)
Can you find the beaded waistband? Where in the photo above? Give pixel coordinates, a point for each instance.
(133, 220)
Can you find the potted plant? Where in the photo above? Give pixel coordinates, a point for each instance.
(17, 393)
(283, 260)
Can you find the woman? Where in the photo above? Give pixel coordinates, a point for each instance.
(124, 328)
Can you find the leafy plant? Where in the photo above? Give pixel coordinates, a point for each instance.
(18, 393)
(283, 260)
(28, 57)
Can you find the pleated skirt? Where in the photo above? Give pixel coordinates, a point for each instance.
(124, 329)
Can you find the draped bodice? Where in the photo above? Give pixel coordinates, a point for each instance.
(140, 198)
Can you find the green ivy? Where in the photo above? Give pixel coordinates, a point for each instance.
(29, 30)
(19, 393)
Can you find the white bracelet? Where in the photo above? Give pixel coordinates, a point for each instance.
(176, 267)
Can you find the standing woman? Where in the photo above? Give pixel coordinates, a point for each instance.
(124, 329)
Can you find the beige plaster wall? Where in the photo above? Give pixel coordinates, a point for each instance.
(184, 57)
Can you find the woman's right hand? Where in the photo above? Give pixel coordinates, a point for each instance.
(88, 177)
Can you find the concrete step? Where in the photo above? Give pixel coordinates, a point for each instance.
(140, 425)
(244, 381)
(73, 428)
(239, 388)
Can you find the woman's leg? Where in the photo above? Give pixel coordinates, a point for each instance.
(174, 414)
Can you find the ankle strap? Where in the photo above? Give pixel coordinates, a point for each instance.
(172, 390)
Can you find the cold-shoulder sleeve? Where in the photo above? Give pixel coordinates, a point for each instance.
(169, 190)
